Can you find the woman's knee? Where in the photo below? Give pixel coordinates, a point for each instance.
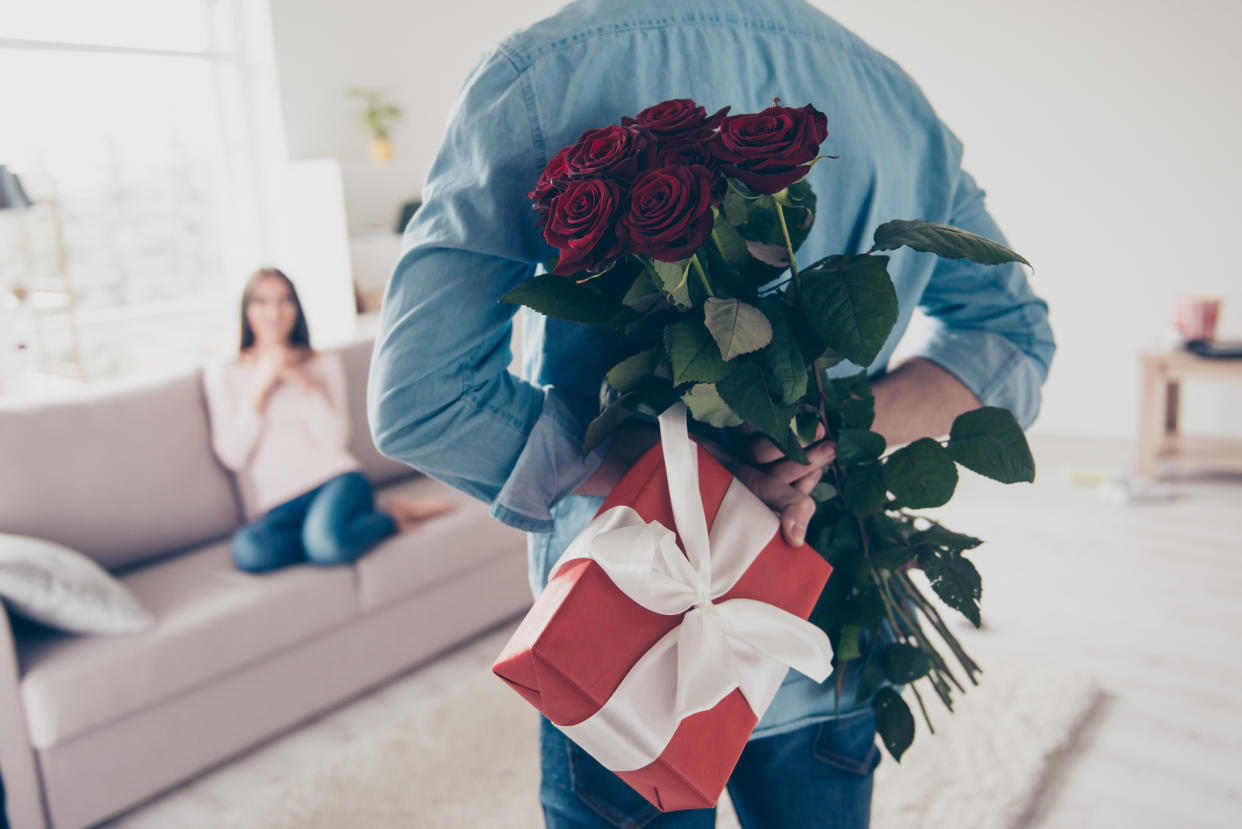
(249, 551)
(323, 546)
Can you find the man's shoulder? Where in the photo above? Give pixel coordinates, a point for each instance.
(587, 20)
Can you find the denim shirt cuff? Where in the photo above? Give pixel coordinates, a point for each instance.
(990, 365)
(550, 466)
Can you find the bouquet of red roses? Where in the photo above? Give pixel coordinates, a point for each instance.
(676, 232)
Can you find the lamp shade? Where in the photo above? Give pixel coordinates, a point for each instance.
(11, 192)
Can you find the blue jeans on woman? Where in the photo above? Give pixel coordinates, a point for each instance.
(334, 523)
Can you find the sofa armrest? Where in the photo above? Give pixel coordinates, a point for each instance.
(23, 791)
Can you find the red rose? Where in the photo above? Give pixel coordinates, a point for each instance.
(767, 151)
(610, 152)
(670, 213)
(551, 182)
(677, 120)
(581, 225)
(685, 153)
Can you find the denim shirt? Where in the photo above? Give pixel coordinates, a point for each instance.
(440, 396)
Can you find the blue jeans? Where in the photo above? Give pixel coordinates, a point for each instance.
(815, 777)
(334, 523)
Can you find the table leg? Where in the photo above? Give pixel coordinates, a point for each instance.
(1150, 428)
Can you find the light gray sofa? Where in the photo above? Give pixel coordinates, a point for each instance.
(90, 726)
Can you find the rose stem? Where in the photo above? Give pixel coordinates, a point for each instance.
(793, 267)
(698, 268)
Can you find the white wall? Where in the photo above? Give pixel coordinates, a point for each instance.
(1104, 133)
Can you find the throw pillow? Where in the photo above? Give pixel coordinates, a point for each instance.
(62, 588)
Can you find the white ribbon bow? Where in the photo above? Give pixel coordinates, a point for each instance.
(738, 643)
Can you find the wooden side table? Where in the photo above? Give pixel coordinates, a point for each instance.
(1159, 437)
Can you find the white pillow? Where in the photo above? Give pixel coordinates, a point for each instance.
(50, 583)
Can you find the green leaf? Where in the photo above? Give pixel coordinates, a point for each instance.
(905, 663)
(643, 295)
(864, 489)
(850, 304)
(858, 413)
(940, 536)
(893, 721)
(556, 296)
(782, 358)
(921, 474)
(955, 580)
(943, 240)
(729, 243)
(706, 406)
(847, 647)
(746, 392)
(736, 207)
(693, 353)
(990, 441)
(607, 422)
(823, 491)
(673, 279)
(634, 370)
(738, 327)
(859, 446)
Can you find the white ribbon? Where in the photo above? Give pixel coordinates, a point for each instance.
(738, 643)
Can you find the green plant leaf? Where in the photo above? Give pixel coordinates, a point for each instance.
(823, 491)
(607, 422)
(738, 327)
(556, 296)
(943, 240)
(893, 721)
(746, 392)
(859, 446)
(730, 244)
(847, 646)
(634, 370)
(990, 442)
(850, 304)
(693, 353)
(921, 474)
(673, 279)
(864, 489)
(736, 207)
(643, 295)
(905, 663)
(782, 357)
(955, 580)
(939, 536)
(706, 406)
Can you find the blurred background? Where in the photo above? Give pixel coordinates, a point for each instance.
(155, 152)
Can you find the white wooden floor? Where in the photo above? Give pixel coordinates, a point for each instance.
(1145, 597)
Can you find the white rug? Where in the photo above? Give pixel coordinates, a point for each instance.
(472, 761)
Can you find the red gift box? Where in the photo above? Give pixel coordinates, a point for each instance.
(584, 634)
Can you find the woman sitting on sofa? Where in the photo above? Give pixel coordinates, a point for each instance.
(280, 421)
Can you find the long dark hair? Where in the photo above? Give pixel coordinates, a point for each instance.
(299, 336)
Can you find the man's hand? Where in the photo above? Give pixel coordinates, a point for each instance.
(782, 484)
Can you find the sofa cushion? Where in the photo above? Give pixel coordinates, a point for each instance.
(442, 547)
(212, 618)
(378, 468)
(120, 475)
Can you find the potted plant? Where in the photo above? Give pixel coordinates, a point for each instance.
(379, 116)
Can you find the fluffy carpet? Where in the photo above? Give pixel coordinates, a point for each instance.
(471, 761)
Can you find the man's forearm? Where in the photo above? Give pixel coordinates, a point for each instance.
(919, 399)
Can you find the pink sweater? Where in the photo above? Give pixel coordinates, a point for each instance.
(297, 443)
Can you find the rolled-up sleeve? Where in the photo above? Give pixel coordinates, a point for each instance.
(440, 396)
(988, 328)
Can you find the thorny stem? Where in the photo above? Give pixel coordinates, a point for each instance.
(937, 622)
